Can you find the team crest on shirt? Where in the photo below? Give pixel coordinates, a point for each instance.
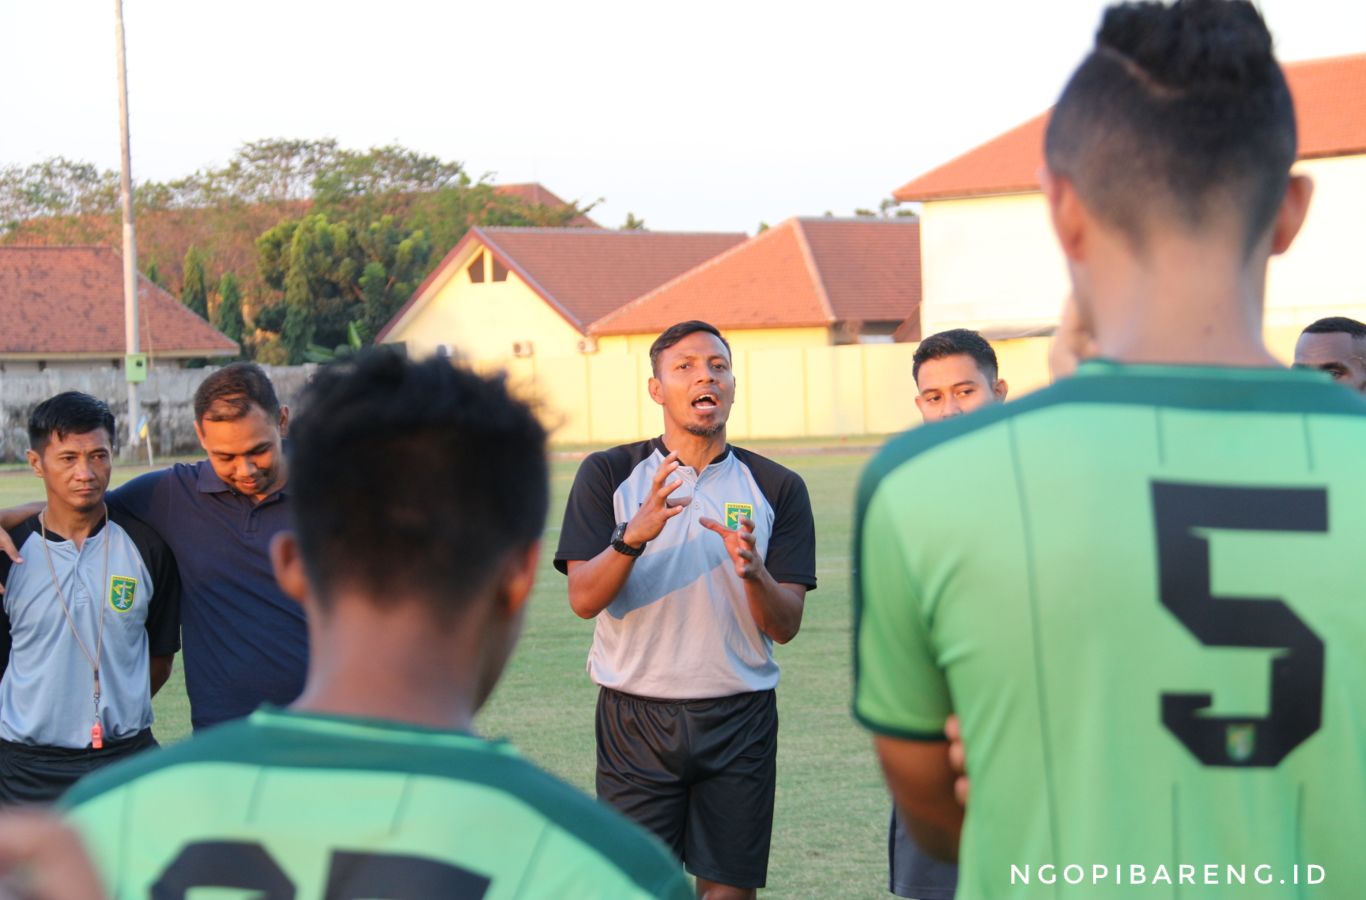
(734, 511)
(123, 591)
(1241, 742)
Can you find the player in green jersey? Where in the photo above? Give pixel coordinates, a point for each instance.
(420, 496)
(1138, 589)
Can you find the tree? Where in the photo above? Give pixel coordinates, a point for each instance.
(337, 278)
(229, 318)
(56, 186)
(194, 291)
(632, 223)
(153, 274)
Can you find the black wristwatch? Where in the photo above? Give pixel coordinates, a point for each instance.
(621, 546)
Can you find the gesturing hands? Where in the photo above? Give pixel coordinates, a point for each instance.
(740, 545)
(650, 519)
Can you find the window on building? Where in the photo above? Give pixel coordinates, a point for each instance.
(476, 268)
(500, 271)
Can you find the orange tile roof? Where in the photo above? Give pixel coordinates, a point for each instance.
(803, 272)
(69, 300)
(1330, 110)
(583, 273)
(537, 193)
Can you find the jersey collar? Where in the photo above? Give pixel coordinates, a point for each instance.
(658, 444)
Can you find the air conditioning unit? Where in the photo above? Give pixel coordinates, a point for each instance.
(588, 345)
(521, 349)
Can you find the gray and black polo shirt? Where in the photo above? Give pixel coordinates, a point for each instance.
(46, 691)
(681, 628)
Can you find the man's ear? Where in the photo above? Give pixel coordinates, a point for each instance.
(284, 421)
(288, 564)
(656, 390)
(1000, 389)
(518, 577)
(35, 462)
(1064, 211)
(1290, 217)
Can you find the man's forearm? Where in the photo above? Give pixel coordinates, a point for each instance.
(777, 608)
(14, 516)
(160, 669)
(594, 583)
(921, 781)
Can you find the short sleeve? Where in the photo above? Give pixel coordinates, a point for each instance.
(899, 689)
(589, 516)
(144, 498)
(19, 536)
(791, 557)
(163, 612)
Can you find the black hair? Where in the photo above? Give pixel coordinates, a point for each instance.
(952, 343)
(1181, 112)
(414, 479)
(69, 412)
(675, 333)
(1335, 325)
(229, 394)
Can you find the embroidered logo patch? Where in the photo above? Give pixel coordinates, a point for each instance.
(122, 592)
(735, 510)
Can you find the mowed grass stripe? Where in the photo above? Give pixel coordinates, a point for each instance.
(829, 834)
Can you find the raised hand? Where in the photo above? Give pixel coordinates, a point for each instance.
(655, 512)
(740, 544)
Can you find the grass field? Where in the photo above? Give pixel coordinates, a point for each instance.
(829, 835)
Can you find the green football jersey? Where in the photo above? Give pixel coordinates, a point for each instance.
(290, 805)
(1143, 592)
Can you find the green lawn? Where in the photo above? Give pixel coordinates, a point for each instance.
(829, 835)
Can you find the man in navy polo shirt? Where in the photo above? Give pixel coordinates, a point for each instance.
(694, 557)
(245, 642)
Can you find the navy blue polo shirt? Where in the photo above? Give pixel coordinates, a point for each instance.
(245, 642)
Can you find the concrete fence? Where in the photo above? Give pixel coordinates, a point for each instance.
(592, 399)
(167, 399)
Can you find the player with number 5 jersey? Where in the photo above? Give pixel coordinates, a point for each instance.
(1140, 589)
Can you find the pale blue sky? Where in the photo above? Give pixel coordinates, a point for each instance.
(702, 115)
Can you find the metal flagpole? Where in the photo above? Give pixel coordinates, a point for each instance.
(134, 364)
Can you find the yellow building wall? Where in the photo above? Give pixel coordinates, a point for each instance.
(1322, 273)
(989, 263)
(741, 339)
(781, 392)
(482, 321)
(992, 263)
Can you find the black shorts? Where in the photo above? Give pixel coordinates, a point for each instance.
(914, 872)
(698, 773)
(32, 774)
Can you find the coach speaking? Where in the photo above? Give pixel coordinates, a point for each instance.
(694, 556)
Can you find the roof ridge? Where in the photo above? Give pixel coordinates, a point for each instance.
(861, 220)
(1336, 58)
(813, 271)
(108, 247)
(560, 229)
(705, 264)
